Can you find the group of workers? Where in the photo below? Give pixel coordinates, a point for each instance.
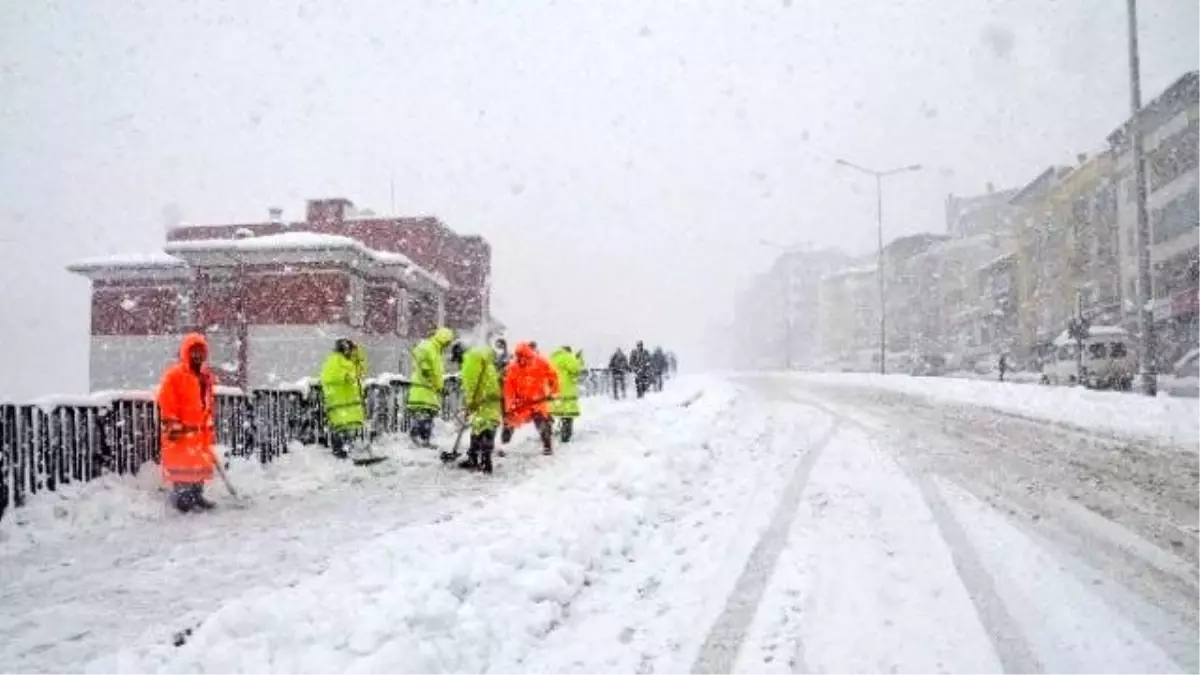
(501, 392)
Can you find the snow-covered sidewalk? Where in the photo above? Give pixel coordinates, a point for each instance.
(669, 483)
(1171, 421)
(69, 557)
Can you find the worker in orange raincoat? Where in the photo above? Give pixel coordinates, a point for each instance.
(185, 411)
(530, 383)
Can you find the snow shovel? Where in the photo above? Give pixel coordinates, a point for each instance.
(238, 500)
(454, 454)
(365, 456)
(448, 457)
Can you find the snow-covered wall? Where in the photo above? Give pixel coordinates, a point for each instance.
(130, 361)
(284, 354)
(138, 361)
(277, 355)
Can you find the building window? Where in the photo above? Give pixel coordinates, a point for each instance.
(1180, 216)
(357, 301)
(1175, 156)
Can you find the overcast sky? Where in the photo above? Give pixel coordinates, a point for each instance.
(624, 158)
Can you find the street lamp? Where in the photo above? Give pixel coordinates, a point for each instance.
(879, 176)
(788, 299)
(1144, 294)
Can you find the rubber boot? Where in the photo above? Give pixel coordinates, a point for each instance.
(182, 497)
(487, 444)
(337, 443)
(202, 502)
(471, 463)
(546, 431)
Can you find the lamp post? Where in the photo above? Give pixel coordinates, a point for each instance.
(1145, 295)
(879, 176)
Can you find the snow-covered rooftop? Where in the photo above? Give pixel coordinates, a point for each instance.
(154, 259)
(287, 241)
(305, 241)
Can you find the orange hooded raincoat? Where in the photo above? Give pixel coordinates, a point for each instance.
(185, 411)
(529, 384)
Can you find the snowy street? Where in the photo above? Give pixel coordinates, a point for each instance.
(745, 523)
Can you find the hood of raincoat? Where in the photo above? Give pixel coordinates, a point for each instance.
(192, 340)
(443, 337)
(524, 351)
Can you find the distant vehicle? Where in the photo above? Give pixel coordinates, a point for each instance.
(1184, 378)
(930, 365)
(1108, 360)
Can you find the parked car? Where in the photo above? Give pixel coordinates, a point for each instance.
(1184, 378)
(930, 365)
(1108, 360)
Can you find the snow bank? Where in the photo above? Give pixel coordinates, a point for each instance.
(1162, 419)
(100, 508)
(1018, 376)
(478, 589)
(86, 511)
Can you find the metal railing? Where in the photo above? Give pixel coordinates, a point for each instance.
(43, 446)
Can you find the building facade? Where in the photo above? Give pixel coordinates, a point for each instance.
(848, 318)
(989, 213)
(779, 312)
(1170, 134)
(270, 301)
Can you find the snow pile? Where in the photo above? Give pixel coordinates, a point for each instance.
(84, 511)
(1164, 420)
(479, 589)
(101, 507)
(1019, 376)
(653, 614)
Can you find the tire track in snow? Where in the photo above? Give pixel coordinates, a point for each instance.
(1012, 648)
(719, 652)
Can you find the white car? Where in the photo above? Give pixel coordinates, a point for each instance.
(1108, 359)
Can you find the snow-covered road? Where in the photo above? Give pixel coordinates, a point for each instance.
(751, 523)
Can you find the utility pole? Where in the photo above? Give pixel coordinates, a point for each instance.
(879, 176)
(1145, 295)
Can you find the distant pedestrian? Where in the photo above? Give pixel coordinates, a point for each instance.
(1003, 366)
(639, 362)
(658, 366)
(618, 365)
(502, 355)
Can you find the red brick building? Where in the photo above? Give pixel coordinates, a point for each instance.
(272, 296)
